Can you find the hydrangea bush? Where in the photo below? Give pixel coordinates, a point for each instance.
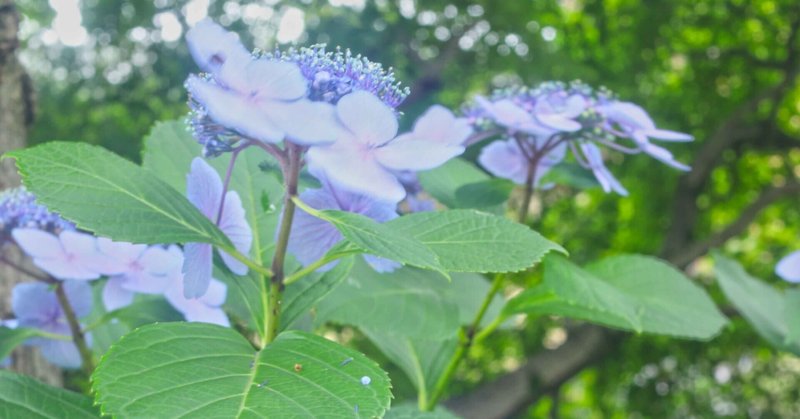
(289, 201)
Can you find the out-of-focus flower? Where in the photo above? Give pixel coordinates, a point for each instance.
(135, 268)
(259, 98)
(311, 237)
(789, 267)
(507, 160)
(204, 189)
(68, 255)
(18, 209)
(366, 152)
(544, 119)
(36, 305)
(206, 308)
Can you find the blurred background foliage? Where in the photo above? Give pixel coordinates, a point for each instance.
(722, 70)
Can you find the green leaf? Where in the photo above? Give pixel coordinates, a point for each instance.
(168, 151)
(108, 195)
(11, 338)
(570, 291)
(792, 317)
(381, 240)
(484, 194)
(629, 292)
(672, 303)
(24, 397)
(472, 241)
(376, 301)
(572, 174)
(443, 182)
(410, 411)
(171, 370)
(245, 296)
(302, 295)
(763, 306)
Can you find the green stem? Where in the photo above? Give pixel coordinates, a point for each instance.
(247, 261)
(466, 341)
(276, 283)
(313, 267)
(75, 328)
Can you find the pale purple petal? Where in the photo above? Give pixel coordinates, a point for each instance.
(666, 135)
(438, 124)
(311, 237)
(628, 115)
(409, 153)
(663, 155)
(115, 296)
(216, 295)
(595, 159)
(367, 117)
(574, 106)
(197, 268)
(37, 243)
(789, 267)
(558, 122)
(114, 258)
(306, 122)
(204, 188)
(204, 314)
(504, 159)
(212, 46)
(34, 302)
(205, 309)
(352, 169)
(234, 110)
(62, 353)
(275, 80)
(79, 294)
(160, 261)
(234, 224)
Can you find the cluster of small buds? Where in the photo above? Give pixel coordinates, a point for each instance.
(215, 138)
(333, 74)
(18, 209)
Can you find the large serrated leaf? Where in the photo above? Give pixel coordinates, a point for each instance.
(24, 397)
(382, 240)
(108, 195)
(629, 292)
(473, 241)
(172, 370)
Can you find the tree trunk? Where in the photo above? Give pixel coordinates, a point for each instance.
(16, 115)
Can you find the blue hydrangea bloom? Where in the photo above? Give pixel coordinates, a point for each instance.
(368, 152)
(207, 308)
(552, 117)
(244, 96)
(204, 190)
(35, 305)
(68, 255)
(789, 267)
(135, 268)
(18, 209)
(311, 237)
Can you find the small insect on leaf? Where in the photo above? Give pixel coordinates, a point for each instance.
(298, 367)
(263, 383)
(346, 361)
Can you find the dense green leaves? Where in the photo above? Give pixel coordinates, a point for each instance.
(24, 397)
(629, 292)
(472, 241)
(108, 195)
(177, 369)
(764, 307)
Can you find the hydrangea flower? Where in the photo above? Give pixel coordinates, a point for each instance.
(505, 159)
(546, 118)
(311, 237)
(36, 305)
(789, 267)
(68, 255)
(368, 151)
(204, 190)
(259, 98)
(18, 209)
(333, 75)
(135, 268)
(206, 308)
